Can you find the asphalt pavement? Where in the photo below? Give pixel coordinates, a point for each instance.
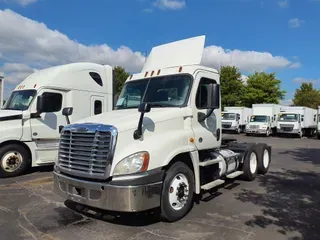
(284, 204)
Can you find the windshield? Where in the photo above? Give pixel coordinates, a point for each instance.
(228, 116)
(20, 100)
(256, 118)
(287, 117)
(167, 91)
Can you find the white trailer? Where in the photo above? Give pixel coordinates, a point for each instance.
(318, 123)
(297, 120)
(235, 118)
(32, 118)
(160, 149)
(263, 119)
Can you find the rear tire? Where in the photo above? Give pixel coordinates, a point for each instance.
(177, 192)
(250, 164)
(264, 157)
(14, 160)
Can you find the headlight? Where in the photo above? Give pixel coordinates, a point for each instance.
(134, 163)
(264, 126)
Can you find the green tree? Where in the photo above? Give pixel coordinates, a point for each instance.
(262, 87)
(307, 96)
(120, 77)
(231, 86)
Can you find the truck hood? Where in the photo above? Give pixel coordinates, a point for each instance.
(128, 119)
(9, 113)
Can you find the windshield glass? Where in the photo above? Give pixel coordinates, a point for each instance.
(20, 100)
(228, 116)
(257, 118)
(287, 117)
(167, 91)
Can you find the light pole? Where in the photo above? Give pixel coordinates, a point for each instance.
(1, 90)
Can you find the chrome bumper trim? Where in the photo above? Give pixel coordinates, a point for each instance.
(106, 196)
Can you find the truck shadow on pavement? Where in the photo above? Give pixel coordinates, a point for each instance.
(291, 202)
(306, 155)
(128, 219)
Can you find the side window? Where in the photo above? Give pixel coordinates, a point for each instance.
(55, 103)
(202, 93)
(97, 107)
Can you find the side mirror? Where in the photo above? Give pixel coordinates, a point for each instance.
(213, 96)
(67, 112)
(144, 108)
(40, 104)
(44, 104)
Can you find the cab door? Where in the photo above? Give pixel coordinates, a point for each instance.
(208, 132)
(45, 128)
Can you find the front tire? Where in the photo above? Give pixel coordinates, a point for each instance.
(177, 192)
(14, 160)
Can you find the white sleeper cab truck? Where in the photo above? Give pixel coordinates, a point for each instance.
(318, 123)
(161, 145)
(33, 116)
(263, 120)
(297, 120)
(235, 119)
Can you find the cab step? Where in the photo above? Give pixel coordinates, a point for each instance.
(235, 174)
(209, 162)
(212, 184)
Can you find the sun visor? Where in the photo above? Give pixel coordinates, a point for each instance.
(184, 52)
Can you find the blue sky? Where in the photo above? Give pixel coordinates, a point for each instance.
(271, 35)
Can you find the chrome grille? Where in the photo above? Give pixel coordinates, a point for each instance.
(88, 152)
(253, 126)
(286, 127)
(226, 125)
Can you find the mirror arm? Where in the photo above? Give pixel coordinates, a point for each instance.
(202, 118)
(138, 132)
(67, 119)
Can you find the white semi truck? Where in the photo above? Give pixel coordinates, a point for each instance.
(32, 118)
(318, 123)
(263, 120)
(161, 145)
(297, 120)
(235, 119)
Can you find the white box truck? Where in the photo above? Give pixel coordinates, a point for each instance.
(31, 119)
(160, 148)
(235, 119)
(297, 120)
(263, 119)
(318, 123)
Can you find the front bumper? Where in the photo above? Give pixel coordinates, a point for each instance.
(119, 197)
(256, 131)
(293, 131)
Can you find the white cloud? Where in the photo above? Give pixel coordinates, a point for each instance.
(295, 23)
(170, 4)
(215, 56)
(305, 80)
(286, 102)
(244, 79)
(295, 65)
(26, 45)
(283, 3)
(20, 2)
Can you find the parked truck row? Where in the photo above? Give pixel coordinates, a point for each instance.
(272, 119)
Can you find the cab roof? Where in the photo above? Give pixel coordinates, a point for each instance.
(60, 77)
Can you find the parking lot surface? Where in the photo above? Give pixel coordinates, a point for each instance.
(284, 204)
